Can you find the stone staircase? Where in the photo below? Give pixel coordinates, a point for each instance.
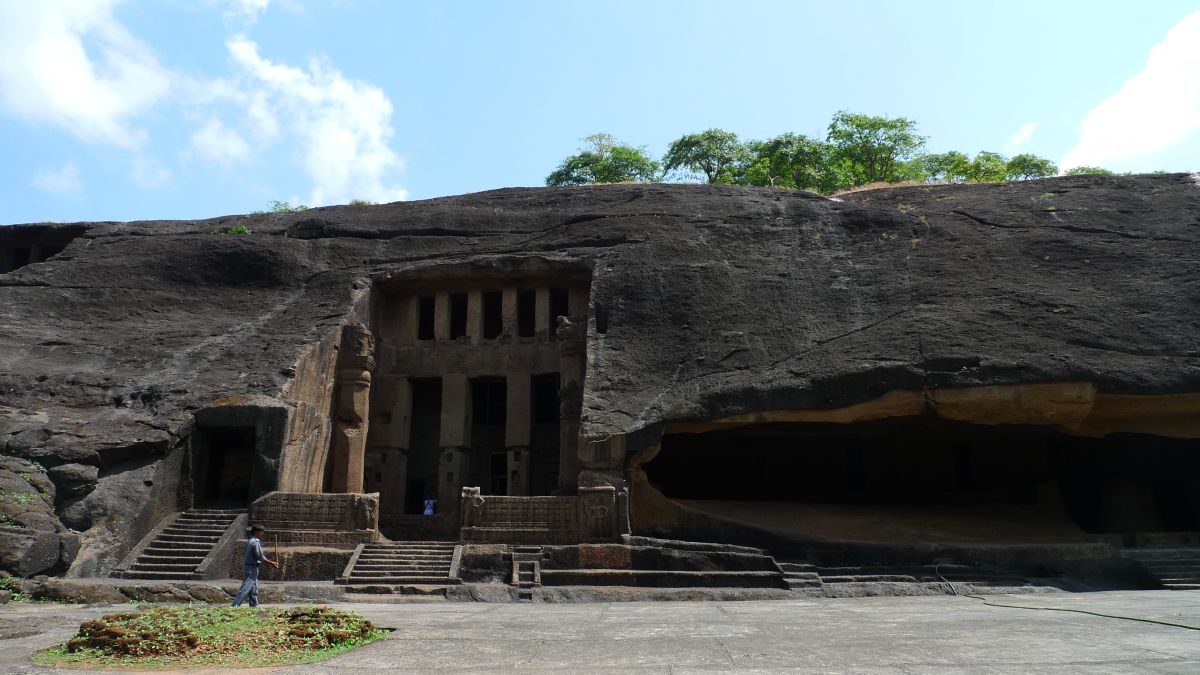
(409, 568)
(800, 576)
(976, 574)
(179, 548)
(526, 570)
(808, 576)
(1175, 568)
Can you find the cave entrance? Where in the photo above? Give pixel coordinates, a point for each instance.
(866, 473)
(225, 465)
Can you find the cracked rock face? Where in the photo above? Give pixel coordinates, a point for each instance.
(714, 301)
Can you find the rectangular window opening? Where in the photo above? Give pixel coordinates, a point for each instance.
(493, 314)
(560, 305)
(545, 398)
(489, 401)
(425, 317)
(526, 308)
(458, 315)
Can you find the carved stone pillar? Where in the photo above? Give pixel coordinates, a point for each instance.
(356, 362)
(395, 475)
(517, 434)
(572, 347)
(454, 462)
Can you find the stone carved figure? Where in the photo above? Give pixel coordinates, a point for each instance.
(356, 362)
(571, 327)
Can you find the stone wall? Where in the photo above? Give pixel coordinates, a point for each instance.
(305, 518)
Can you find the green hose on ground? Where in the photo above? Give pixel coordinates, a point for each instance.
(1058, 609)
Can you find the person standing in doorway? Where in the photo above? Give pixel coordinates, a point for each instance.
(253, 557)
(430, 506)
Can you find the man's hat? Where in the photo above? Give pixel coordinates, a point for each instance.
(255, 528)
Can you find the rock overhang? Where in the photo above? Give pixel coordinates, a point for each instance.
(717, 301)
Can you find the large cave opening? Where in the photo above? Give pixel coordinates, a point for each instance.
(927, 465)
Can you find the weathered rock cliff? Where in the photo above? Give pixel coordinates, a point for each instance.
(710, 302)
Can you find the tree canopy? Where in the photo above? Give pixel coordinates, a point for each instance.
(714, 153)
(873, 149)
(857, 150)
(607, 160)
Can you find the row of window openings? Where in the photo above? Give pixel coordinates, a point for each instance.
(489, 398)
(493, 313)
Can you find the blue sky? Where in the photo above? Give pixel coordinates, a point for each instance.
(197, 108)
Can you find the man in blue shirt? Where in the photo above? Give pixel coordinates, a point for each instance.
(253, 557)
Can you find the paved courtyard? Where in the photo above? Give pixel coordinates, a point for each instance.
(940, 634)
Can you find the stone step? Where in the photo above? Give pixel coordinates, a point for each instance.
(196, 559)
(1183, 586)
(1189, 570)
(163, 567)
(195, 531)
(662, 578)
(803, 583)
(1157, 554)
(187, 538)
(394, 571)
(159, 549)
(420, 551)
(154, 575)
(399, 579)
(368, 564)
(427, 590)
(439, 559)
(866, 578)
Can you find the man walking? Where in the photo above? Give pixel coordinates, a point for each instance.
(253, 557)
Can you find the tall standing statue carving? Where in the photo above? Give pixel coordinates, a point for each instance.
(356, 362)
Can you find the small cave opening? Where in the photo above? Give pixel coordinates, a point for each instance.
(225, 465)
(1118, 483)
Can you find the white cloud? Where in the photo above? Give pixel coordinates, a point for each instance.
(48, 73)
(218, 143)
(343, 125)
(1154, 109)
(1023, 134)
(247, 11)
(64, 180)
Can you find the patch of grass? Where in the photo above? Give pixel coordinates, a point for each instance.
(9, 583)
(238, 229)
(193, 636)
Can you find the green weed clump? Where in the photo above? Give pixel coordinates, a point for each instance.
(181, 636)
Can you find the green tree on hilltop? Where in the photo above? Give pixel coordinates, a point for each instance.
(987, 167)
(952, 166)
(1028, 167)
(792, 161)
(715, 153)
(874, 149)
(607, 160)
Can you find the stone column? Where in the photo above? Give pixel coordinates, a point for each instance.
(572, 347)
(541, 318)
(395, 477)
(455, 440)
(441, 316)
(517, 424)
(509, 312)
(475, 316)
(409, 319)
(356, 361)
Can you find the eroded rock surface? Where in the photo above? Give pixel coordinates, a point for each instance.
(710, 301)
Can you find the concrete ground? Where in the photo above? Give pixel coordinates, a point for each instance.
(938, 634)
